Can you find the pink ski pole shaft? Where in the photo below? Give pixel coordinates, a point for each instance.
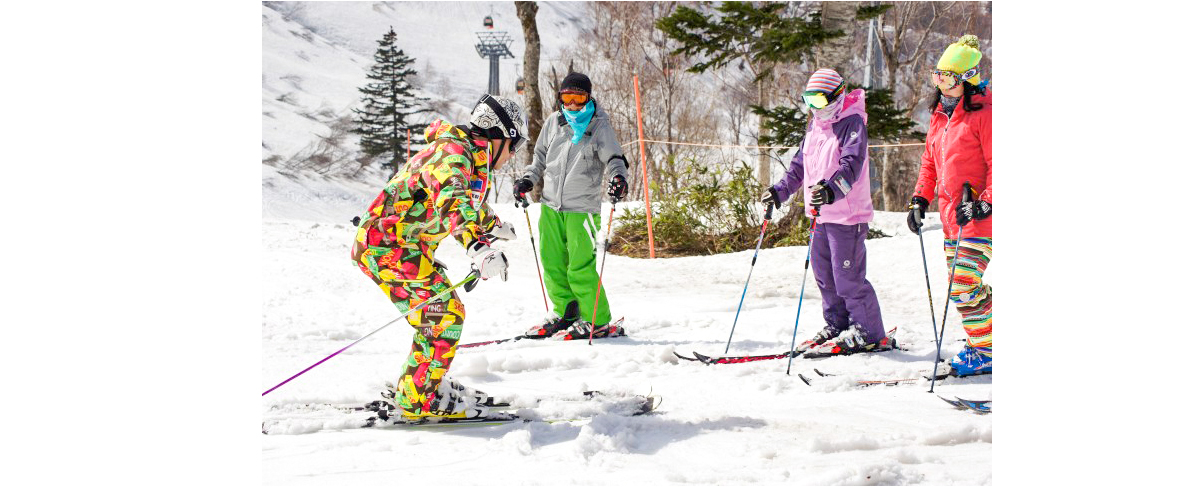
(470, 277)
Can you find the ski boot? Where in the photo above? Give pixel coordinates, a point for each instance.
(447, 403)
(554, 323)
(383, 409)
(971, 362)
(822, 336)
(851, 342)
(475, 395)
(581, 330)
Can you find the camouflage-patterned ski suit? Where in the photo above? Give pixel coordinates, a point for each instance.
(430, 197)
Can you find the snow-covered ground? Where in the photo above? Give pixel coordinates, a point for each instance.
(135, 361)
(723, 424)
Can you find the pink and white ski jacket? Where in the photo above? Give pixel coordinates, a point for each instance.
(835, 150)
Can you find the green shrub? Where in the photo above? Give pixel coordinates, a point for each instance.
(709, 216)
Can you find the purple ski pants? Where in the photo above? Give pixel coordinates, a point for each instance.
(839, 262)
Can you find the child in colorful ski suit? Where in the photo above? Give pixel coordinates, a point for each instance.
(439, 192)
(831, 170)
(575, 154)
(958, 150)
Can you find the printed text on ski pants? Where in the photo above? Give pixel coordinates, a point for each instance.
(970, 295)
(568, 243)
(409, 276)
(839, 262)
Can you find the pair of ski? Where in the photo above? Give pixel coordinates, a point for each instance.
(943, 373)
(635, 405)
(612, 327)
(799, 352)
(383, 415)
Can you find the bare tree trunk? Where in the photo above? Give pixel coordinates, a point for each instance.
(527, 12)
(837, 53)
(764, 159)
(889, 198)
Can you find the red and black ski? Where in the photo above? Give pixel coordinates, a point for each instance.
(754, 358)
(616, 325)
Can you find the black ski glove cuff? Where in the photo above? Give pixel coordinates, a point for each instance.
(916, 213)
(617, 188)
(520, 187)
(770, 197)
(972, 210)
(822, 194)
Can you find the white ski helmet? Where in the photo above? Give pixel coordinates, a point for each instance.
(500, 118)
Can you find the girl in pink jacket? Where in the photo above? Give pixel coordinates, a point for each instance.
(831, 172)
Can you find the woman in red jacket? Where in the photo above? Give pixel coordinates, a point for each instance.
(958, 150)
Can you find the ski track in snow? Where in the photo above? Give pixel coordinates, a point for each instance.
(722, 424)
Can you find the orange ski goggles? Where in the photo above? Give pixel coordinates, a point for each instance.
(573, 98)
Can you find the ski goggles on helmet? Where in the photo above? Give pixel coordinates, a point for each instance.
(573, 98)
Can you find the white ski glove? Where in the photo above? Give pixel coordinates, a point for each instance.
(488, 261)
(503, 231)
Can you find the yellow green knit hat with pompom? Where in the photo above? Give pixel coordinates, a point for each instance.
(962, 56)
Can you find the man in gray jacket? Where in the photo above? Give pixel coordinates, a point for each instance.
(576, 155)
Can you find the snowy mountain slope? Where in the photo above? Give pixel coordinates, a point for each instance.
(311, 197)
(307, 81)
(316, 54)
(782, 431)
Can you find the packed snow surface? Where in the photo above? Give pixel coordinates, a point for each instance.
(722, 424)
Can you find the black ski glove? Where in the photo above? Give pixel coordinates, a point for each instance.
(618, 187)
(972, 210)
(770, 197)
(916, 213)
(522, 186)
(822, 194)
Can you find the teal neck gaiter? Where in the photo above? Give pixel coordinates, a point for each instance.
(579, 120)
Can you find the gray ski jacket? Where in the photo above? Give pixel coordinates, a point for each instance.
(576, 176)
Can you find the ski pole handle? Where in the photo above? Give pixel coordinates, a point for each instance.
(474, 282)
(967, 197)
(770, 208)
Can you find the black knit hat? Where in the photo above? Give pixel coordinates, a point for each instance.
(576, 81)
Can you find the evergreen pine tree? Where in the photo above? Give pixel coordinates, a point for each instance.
(389, 105)
(786, 124)
(759, 35)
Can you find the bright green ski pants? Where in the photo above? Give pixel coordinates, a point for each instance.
(569, 241)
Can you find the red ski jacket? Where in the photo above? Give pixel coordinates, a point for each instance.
(958, 149)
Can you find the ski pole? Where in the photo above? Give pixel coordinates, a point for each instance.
(803, 280)
(761, 233)
(470, 277)
(928, 287)
(600, 279)
(953, 271)
(525, 205)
